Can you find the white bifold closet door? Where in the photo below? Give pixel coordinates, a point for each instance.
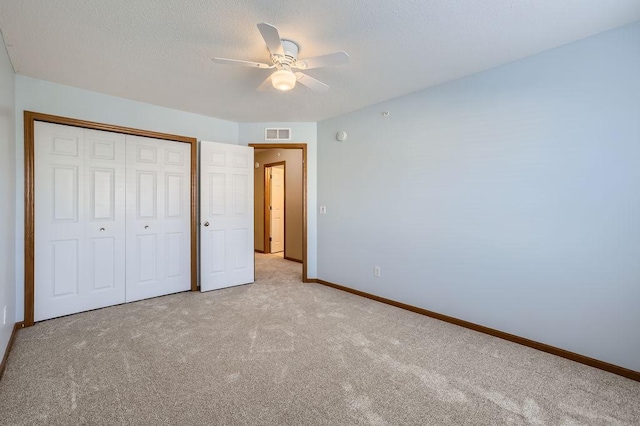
(112, 222)
(226, 215)
(79, 220)
(158, 221)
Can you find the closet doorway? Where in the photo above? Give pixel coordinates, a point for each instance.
(93, 190)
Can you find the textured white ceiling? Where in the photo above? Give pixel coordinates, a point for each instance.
(159, 51)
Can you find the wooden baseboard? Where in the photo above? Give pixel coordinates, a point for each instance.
(602, 365)
(292, 259)
(259, 251)
(16, 327)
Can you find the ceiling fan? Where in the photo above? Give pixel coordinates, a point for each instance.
(284, 59)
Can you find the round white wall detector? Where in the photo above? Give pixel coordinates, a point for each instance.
(341, 135)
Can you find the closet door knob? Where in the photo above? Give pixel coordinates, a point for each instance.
(206, 224)
(146, 227)
(101, 229)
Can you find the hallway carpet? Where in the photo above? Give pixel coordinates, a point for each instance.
(279, 352)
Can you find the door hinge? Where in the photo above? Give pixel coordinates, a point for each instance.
(270, 239)
(270, 207)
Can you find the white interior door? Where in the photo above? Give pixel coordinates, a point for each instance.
(79, 220)
(277, 209)
(158, 224)
(226, 215)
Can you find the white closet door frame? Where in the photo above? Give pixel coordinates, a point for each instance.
(30, 118)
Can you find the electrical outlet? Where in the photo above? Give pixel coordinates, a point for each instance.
(376, 271)
(323, 209)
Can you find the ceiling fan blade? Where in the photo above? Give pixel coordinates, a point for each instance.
(241, 62)
(337, 58)
(265, 85)
(271, 36)
(311, 82)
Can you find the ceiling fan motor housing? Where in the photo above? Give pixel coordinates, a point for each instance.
(291, 50)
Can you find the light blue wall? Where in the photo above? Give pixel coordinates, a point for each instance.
(510, 198)
(42, 96)
(7, 197)
(300, 133)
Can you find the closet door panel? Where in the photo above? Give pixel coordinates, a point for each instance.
(77, 266)
(102, 257)
(144, 229)
(158, 223)
(104, 269)
(176, 214)
(59, 193)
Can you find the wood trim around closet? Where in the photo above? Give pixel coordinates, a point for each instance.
(303, 147)
(29, 193)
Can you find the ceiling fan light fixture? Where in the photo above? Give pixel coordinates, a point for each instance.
(283, 80)
(284, 58)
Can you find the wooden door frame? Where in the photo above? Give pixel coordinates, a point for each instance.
(303, 147)
(29, 193)
(267, 211)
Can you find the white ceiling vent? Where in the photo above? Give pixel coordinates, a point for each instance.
(277, 134)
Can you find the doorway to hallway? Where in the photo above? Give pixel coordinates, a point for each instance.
(294, 212)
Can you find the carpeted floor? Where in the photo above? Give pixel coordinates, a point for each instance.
(279, 352)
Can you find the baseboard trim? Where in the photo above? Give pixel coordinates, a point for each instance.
(582, 359)
(292, 259)
(17, 326)
(259, 251)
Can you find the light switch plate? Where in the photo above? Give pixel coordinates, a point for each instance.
(323, 209)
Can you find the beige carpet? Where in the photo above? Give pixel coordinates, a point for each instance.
(279, 352)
